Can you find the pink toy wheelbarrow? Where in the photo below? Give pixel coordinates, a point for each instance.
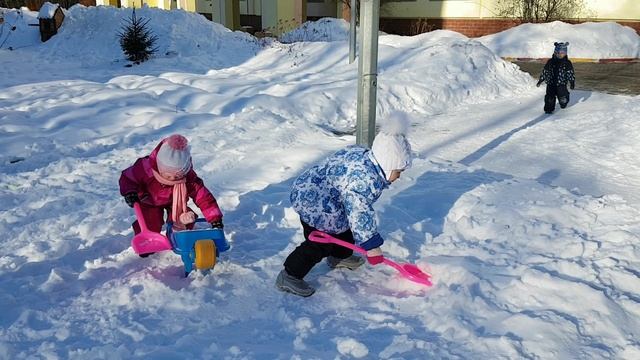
(196, 247)
(408, 271)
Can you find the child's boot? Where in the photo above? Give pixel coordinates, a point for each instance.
(352, 262)
(288, 283)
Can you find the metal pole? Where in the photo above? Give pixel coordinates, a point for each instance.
(367, 72)
(352, 32)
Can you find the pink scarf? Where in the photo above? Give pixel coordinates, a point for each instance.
(179, 204)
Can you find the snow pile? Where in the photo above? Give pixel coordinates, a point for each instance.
(602, 40)
(15, 30)
(456, 70)
(47, 10)
(91, 34)
(439, 69)
(325, 29)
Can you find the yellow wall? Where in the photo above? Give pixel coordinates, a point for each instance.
(205, 6)
(188, 5)
(602, 9)
(445, 8)
(286, 17)
(132, 3)
(279, 16)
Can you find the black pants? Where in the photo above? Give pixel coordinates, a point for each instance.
(560, 92)
(309, 253)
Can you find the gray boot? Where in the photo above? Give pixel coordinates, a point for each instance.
(288, 283)
(352, 262)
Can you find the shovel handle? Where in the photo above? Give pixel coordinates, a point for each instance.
(140, 216)
(320, 237)
(416, 275)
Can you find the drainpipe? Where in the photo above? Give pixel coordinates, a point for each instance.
(352, 33)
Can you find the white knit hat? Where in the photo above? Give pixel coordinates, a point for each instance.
(390, 147)
(174, 156)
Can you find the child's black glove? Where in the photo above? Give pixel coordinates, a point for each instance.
(131, 198)
(217, 224)
(539, 83)
(572, 85)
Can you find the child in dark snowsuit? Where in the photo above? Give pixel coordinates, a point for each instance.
(556, 73)
(337, 197)
(163, 182)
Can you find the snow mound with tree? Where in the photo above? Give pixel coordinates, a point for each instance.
(91, 34)
(591, 40)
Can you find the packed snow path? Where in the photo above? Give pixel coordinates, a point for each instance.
(528, 222)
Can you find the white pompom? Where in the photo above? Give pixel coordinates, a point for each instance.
(396, 123)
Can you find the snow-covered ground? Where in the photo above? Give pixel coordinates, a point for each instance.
(527, 222)
(602, 40)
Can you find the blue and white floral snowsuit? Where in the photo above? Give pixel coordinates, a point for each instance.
(338, 194)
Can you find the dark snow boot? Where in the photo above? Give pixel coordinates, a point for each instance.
(352, 262)
(288, 283)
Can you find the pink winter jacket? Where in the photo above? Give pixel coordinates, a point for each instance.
(139, 178)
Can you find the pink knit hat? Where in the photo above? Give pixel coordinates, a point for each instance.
(174, 156)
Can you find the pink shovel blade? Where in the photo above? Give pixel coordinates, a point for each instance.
(411, 272)
(149, 242)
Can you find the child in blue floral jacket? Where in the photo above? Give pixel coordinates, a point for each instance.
(337, 197)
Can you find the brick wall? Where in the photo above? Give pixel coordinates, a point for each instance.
(468, 27)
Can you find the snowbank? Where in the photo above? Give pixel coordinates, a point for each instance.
(15, 31)
(325, 29)
(47, 10)
(91, 34)
(440, 69)
(602, 40)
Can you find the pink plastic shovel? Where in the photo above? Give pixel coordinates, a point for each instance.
(409, 271)
(147, 241)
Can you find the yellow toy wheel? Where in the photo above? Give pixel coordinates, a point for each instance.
(205, 254)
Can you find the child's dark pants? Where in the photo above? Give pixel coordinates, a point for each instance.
(560, 92)
(309, 253)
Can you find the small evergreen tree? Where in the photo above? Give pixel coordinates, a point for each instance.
(137, 40)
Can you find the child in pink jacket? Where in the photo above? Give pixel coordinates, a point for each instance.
(164, 181)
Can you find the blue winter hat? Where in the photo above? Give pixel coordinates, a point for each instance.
(561, 47)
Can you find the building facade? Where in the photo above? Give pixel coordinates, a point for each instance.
(407, 17)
